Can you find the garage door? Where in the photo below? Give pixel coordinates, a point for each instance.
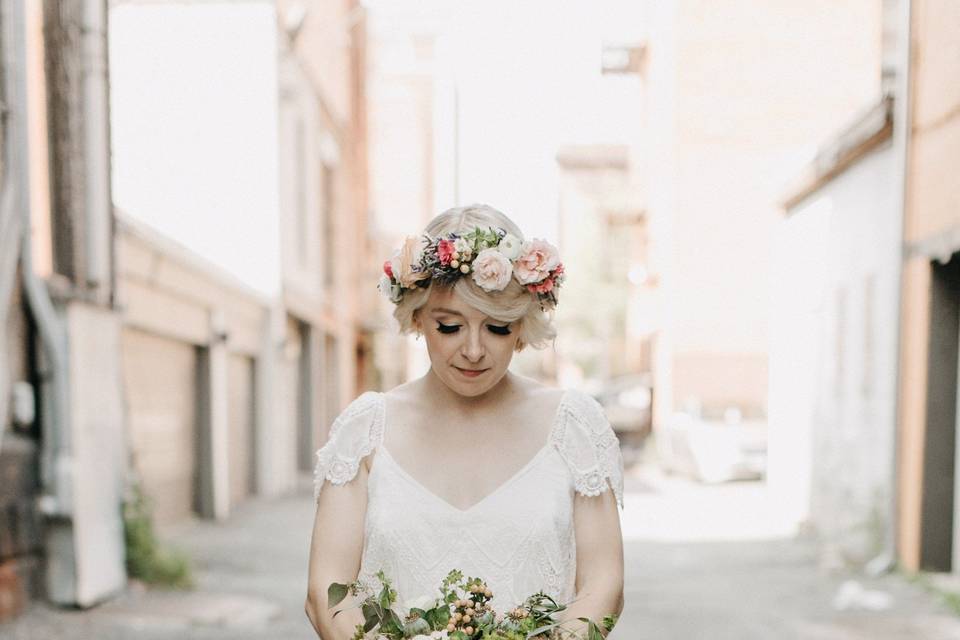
(240, 420)
(160, 377)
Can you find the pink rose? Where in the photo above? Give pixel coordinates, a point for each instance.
(403, 263)
(491, 270)
(544, 287)
(445, 249)
(537, 259)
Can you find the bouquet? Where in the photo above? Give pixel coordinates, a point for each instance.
(461, 612)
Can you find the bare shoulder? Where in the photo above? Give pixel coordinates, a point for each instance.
(406, 396)
(538, 396)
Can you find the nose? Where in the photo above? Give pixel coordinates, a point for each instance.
(473, 347)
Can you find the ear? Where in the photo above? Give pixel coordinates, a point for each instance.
(417, 325)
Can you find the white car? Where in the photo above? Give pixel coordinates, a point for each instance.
(714, 451)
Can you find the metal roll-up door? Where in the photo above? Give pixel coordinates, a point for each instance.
(160, 378)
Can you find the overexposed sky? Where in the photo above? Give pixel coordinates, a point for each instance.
(194, 129)
(528, 78)
(194, 112)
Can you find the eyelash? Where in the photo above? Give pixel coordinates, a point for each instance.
(453, 328)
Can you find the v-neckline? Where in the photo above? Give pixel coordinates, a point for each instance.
(382, 449)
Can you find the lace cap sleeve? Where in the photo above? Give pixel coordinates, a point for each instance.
(589, 446)
(354, 434)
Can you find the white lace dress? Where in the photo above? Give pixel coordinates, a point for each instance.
(519, 538)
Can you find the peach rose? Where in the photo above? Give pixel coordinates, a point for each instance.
(537, 259)
(406, 259)
(491, 270)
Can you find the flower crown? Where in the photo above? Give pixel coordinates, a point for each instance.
(492, 257)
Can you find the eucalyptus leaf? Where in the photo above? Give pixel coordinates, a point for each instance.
(545, 627)
(336, 592)
(391, 623)
(610, 621)
(372, 616)
(385, 598)
(593, 632)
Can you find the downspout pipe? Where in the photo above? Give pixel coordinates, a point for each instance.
(888, 558)
(9, 215)
(56, 477)
(96, 144)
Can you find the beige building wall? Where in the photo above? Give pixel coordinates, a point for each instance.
(605, 330)
(932, 234)
(733, 111)
(324, 210)
(193, 430)
(402, 93)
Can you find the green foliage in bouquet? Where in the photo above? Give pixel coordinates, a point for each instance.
(462, 612)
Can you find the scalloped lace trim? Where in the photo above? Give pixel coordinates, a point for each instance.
(606, 461)
(337, 466)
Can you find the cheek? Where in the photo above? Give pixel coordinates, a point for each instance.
(439, 345)
(505, 348)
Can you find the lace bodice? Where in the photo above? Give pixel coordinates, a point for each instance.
(519, 538)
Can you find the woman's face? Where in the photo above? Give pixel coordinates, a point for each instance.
(469, 351)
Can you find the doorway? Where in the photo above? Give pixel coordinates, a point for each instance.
(940, 499)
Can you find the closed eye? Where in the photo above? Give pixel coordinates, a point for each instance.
(499, 330)
(447, 328)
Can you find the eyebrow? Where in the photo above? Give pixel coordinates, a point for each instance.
(453, 312)
(447, 311)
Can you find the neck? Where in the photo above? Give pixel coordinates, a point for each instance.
(450, 400)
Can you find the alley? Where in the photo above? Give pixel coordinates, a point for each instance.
(702, 562)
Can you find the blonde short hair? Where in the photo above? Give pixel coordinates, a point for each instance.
(512, 304)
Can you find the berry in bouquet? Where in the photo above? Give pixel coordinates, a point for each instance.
(462, 611)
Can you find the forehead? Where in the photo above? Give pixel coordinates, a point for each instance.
(444, 300)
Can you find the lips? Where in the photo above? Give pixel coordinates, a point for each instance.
(470, 373)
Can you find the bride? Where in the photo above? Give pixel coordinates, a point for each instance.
(471, 466)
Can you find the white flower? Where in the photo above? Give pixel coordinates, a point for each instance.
(537, 259)
(389, 290)
(492, 270)
(463, 247)
(510, 246)
(436, 635)
(420, 602)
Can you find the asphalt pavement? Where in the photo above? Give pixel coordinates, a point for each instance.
(703, 562)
